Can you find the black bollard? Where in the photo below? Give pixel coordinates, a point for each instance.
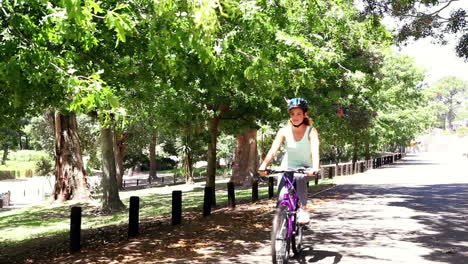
(133, 216)
(316, 178)
(75, 229)
(231, 195)
(138, 181)
(330, 172)
(207, 201)
(255, 191)
(270, 188)
(176, 207)
(124, 184)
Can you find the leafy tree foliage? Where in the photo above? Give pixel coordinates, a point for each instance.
(425, 18)
(448, 94)
(187, 72)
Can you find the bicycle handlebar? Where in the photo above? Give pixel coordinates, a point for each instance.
(300, 170)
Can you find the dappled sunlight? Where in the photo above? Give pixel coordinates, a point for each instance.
(224, 234)
(413, 224)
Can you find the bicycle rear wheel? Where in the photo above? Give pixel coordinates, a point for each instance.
(279, 236)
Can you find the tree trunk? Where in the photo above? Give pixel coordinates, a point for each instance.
(211, 166)
(26, 142)
(20, 142)
(368, 155)
(5, 154)
(152, 151)
(338, 154)
(213, 126)
(110, 193)
(355, 150)
(188, 160)
(244, 169)
(119, 153)
(70, 176)
(450, 118)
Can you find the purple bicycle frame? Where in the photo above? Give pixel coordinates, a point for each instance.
(289, 201)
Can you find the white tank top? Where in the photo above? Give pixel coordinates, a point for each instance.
(298, 153)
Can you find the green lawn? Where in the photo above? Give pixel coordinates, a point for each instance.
(22, 161)
(20, 225)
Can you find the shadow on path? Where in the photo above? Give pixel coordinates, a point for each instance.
(308, 255)
(371, 216)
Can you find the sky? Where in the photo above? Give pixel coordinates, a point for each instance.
(438, 60)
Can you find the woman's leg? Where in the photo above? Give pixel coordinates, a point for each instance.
(281, 191)
(301, 191)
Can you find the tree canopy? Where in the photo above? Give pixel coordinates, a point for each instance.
(197, 69)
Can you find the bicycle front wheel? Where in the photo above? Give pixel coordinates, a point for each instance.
(279, 236)
(297, 237)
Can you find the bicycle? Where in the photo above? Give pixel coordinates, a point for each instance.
(286, 232)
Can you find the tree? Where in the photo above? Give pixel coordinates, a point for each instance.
(246, 158)
(111, 199)
(70, 175)
(44, 64)
(448, 94)
(424, 18)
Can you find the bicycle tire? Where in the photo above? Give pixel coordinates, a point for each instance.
(296, 240)
(280, 243)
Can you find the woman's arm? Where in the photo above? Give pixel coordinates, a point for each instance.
(314, 148)
(274, 148)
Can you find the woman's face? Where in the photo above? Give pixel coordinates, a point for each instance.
(296, 115)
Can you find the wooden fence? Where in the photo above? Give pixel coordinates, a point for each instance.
(327, 171)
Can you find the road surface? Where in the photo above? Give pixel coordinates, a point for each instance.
(414, 211)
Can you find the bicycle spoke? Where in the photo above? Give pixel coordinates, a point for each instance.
(280, 241)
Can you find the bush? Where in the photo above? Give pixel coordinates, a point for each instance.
(133, 160)
(143, 161)
(462, 131)
(7, 175)
(165, 164)
(44, 166)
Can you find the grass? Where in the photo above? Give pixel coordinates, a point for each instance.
(22, 161)
(20, 225)
(43, 220)
(20, 168)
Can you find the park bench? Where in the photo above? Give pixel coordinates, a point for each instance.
(5, 199)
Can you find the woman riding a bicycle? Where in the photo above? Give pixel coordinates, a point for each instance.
(302, 150)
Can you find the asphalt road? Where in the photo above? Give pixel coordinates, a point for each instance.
(414, 211)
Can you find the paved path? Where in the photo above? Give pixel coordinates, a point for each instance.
(414, 211)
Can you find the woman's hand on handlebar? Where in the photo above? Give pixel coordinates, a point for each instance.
(263, 172)
(312, 172)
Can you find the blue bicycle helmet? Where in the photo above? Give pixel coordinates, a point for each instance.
(298, 102)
